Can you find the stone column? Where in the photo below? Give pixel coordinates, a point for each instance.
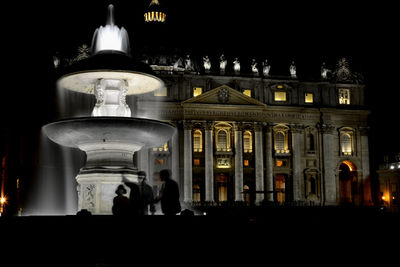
(175, 154)
(187, 163)
(209, 162)
(329, 179)
(259, 170)
(298, 178)
(238, 162)
(269, 162)
(365, 180)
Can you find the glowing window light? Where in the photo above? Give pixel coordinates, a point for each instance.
(309, 98)
(247, 92)
(280, 96)
(197, 91)
(3, 200)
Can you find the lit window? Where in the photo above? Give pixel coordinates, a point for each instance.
(196, 162)
(247, 92)
(197, 141)
(309, 98)
(246, 162)
(279, 141)
(161, 92)
(344, 96)
(346, 144)
(279, 163)
(197, 91)
(247, 142)
(279, 86)
(280, 96)
(222, 141)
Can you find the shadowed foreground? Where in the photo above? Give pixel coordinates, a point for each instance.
(284, 234)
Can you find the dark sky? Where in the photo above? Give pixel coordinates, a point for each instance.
(280, 30)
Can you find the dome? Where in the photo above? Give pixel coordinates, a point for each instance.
(155, 13)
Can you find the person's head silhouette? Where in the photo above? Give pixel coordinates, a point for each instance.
(120, 190)
(164, 175)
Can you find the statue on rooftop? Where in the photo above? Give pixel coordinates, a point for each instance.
(236, 65)
(222, 63)
(292, 70)
(188, 63)
(266, 68)
(254, 68)
(206, 63)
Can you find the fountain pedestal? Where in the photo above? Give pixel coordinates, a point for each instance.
(109, 144)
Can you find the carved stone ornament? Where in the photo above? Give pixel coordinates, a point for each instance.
(89, 193)
(223, 95)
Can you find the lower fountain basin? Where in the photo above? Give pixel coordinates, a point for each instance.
(81, 132)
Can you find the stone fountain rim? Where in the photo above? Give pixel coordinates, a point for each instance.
(91, 122)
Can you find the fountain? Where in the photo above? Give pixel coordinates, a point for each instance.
(110, 137)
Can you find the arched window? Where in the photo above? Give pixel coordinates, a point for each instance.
(279, 141)
(222, 139)
(197, 141)
(346, 144)
(247, 142)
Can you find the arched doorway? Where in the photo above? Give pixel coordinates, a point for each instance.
(347, 182)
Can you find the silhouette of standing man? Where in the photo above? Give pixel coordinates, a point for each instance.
(146, 194)
(135, 205)
(169, 194)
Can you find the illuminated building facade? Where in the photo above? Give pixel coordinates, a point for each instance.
(249, 137)
(389, 183)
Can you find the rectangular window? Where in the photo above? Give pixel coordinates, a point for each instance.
(309, 98)
(196, 162)
(247, 92)
(344, 96)
(161, 92)
(280, 96)
(197, 91)
(246, 162)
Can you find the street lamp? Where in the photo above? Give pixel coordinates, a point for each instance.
(3, 201)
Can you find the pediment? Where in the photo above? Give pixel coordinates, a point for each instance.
(224, 95)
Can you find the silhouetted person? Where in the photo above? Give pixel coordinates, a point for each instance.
(146, 194)
(169, 194)
(135, 205)
(120, 202)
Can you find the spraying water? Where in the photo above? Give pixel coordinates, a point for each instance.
(110, 37)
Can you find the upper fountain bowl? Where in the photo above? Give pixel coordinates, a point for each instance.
(111, 59)
(82, 76)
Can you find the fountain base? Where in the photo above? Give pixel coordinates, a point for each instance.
(109, 144)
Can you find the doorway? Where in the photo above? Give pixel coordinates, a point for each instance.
(347, 182)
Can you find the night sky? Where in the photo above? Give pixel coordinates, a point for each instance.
(278, 30)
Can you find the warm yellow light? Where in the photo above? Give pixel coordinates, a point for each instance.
(247, 92)
(280, 96)
(309, 98)
(383, 197)
(197, 91)
(3, 200)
